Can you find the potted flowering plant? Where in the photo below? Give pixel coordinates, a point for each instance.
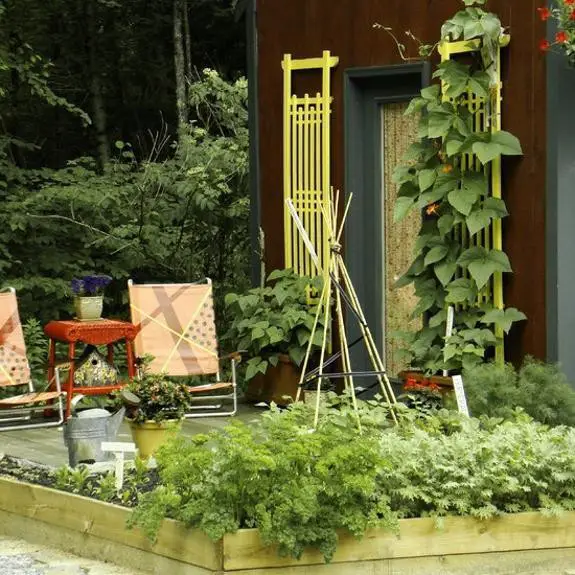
(425, 393)
(155, 408)
(89, 296)
(424, 396)
(563, 11)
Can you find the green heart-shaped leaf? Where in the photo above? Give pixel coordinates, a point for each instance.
(508, 144)
(462, 200)
(445, 271)
(478, 220)
(461, 291)
(402, 207)
(426, 179)
(483, 263)
(435, 254)
(445, 224)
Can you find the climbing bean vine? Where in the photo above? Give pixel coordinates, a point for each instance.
(456, 201)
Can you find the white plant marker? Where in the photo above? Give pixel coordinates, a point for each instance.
(460, 395)
(119, 449)
(448, 329)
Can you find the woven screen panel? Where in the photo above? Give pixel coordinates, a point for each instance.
(398, 132)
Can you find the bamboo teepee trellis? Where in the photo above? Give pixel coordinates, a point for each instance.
(338, 288)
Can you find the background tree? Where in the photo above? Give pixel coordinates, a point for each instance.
(122, 150)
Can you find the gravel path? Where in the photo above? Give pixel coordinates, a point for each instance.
(17, 557)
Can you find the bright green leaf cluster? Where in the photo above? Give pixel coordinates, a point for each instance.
(274, 320)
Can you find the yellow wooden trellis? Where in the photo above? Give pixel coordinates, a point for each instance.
(486, 116)
(307, 163)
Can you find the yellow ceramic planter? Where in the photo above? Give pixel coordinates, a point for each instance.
(150, 435)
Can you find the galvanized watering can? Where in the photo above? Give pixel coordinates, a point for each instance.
(85, 432)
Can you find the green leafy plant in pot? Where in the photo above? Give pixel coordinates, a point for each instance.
(273, 325)
(155, 409)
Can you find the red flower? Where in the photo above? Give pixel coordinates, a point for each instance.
(561, 37)
(570, 2)
(544, 13)
(572, 15)
(424, 385)
(544, 45)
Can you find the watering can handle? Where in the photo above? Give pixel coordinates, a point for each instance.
(113, 424)
(75, 401)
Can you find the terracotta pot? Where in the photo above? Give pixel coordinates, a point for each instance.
(150, 435)
(88, 308)
(278, 382)
(445, 383)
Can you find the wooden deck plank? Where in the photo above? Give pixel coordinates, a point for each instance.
(46, 446)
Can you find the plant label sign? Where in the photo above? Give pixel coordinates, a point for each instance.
(119, 449)
(460, 395)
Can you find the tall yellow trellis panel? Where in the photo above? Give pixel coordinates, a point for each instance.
(486, 117)
(307, 163)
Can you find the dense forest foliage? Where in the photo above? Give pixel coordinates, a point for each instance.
(123, 146)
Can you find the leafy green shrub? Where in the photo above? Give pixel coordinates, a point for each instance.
(36, 348)
(491, 390)
(274, 320)
(541, 389)
(299, 487)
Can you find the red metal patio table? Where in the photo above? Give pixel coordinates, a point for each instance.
(100, 332)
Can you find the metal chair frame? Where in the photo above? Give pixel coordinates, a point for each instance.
(25, 412)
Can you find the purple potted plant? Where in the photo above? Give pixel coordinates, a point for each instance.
(89, 296)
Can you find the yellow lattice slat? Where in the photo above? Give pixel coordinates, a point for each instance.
(486, 116)
(307, 163)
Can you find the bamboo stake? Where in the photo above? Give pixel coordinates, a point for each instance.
(310, 342)
(337, 279)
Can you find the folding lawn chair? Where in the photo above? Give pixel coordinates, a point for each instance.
(176, 326)
(18, 411)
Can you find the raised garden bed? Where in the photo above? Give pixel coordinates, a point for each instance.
(520, 543)
(82, 481)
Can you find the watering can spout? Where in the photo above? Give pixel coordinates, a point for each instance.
(113, 424)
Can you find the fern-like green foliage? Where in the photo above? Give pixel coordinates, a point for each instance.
(541, 389)
(36, 348)
(300, 487)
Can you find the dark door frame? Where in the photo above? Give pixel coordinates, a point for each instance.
(365, 91)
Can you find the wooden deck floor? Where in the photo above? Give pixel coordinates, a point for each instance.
(47, 445)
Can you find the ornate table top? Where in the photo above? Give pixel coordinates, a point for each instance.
(99, 332)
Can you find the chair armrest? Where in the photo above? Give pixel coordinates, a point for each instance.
(63, 365)
(234, 356)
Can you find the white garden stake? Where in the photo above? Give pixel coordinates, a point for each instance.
(448, 329)
(460, 395)
(119, 449)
